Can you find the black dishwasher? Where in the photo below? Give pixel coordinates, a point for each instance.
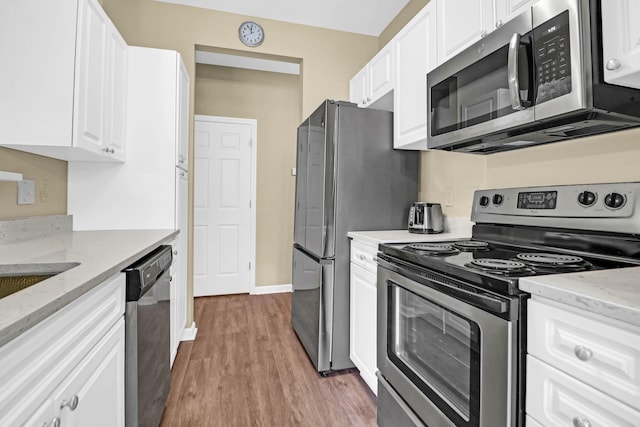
(147, 343)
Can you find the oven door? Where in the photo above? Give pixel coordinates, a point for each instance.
(484, 89)
(452, 362)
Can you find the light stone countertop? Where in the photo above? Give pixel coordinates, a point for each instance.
(455, 228)
(101, 255)
(613, 293)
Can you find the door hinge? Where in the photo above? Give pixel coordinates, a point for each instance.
(249, 204)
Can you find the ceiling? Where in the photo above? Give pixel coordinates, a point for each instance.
(369, 17)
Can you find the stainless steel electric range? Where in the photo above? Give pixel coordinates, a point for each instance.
(451, 319)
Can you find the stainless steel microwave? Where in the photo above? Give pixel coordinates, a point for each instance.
(537, 79)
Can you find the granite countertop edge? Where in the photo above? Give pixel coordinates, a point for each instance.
(610, 293)
(101, 254)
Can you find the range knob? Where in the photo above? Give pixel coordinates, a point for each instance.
(614, 200)
(484, 201)
(497, 199)
(586, 198)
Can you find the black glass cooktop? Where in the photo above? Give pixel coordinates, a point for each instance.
(496, 266)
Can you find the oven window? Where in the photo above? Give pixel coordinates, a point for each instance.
(438, 350)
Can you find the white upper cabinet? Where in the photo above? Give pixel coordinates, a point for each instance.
(67, 98)
(462, 23)
(374, 81)
(415, 55)
(507, 9)
(358, 88)
(182, 145)
(621, 42)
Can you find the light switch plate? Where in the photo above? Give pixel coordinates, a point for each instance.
(26, 192)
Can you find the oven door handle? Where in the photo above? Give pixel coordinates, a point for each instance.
(482, 300)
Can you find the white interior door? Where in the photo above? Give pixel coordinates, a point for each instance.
(224, 218)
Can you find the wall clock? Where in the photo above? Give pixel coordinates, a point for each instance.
(251, 33)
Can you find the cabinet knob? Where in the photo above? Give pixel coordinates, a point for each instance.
(362, 257)
(72, 404)
(581, 422)
(583, 353)
(368, 98)
(55, 422)
(364, 101)
(175, 252)
(483, 34)
(613, 64)
(499, 23)
(181, 159)
(181, 173)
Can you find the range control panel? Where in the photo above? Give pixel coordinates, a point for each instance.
(587, 206)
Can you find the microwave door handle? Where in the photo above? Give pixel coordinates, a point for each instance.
(512, 72)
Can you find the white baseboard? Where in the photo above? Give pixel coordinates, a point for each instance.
(189, 334)
(273, 289)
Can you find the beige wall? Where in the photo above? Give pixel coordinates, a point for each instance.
(274, 101)
(612, 157)
(51, 184)
(328, 58)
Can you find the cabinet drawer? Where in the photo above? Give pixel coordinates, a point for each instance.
(599, 351)
(557, 399)
(364, 255)
(34, 363)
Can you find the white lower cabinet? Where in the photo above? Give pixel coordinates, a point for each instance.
(69, 369)
(362, 306)
(583, 369)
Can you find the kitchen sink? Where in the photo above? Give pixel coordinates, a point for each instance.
(15, 277)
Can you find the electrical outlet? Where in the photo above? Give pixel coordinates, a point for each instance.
(448, 198)
(26, 192)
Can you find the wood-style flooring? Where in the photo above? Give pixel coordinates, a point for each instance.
(246, 367)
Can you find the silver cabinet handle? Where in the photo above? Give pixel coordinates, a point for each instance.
(581, 422)
(55, 422)
(112, 150)
(582, 353)
(613, 64)
(72, 404)
(499, 23)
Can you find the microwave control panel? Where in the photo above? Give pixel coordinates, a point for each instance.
(552, 58)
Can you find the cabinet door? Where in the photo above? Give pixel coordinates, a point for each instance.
(507, 9)
(362, 328)
(116, 94)
(557, 399)
(358, 88)
(621, 42)
(415, 55)
(183, 116)
(93, 394)
(89, 99)
(462, 23)
(381, 72)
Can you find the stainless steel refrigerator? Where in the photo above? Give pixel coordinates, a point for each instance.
(349, 178)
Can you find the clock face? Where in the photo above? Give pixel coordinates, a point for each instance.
(251, 34)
